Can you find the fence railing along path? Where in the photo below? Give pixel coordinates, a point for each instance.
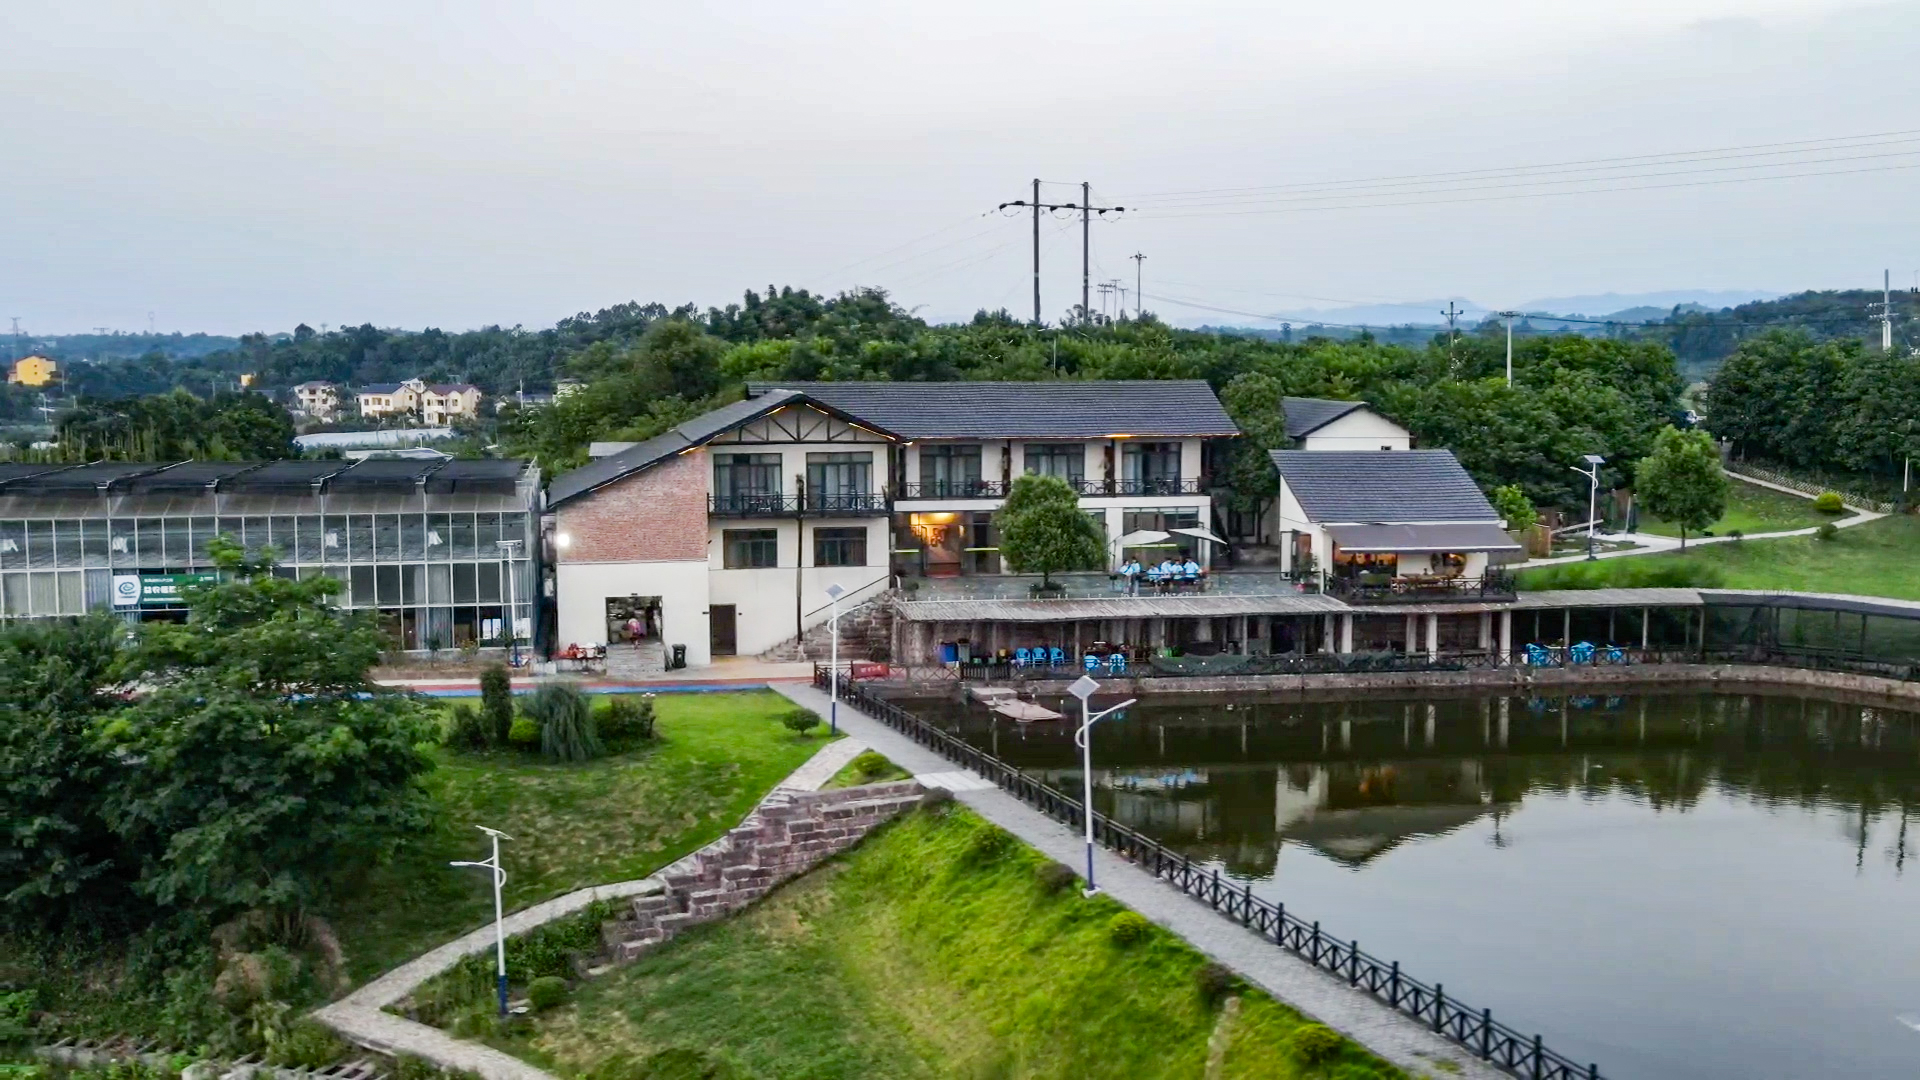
(1475, 1029)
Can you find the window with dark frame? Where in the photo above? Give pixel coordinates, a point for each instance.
(840, 547)
(750, 549)
(742, 481)
(1068, 461)
(947, 470)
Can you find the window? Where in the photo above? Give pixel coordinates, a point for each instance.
(1068, 461)
(1152, 468)
(840, 547)
(838, 481)
(949, 470)
(751, 549)
(745, 481)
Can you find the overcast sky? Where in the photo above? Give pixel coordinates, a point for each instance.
(247, 166)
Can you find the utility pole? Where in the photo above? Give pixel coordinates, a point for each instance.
(1087, 210)
(1106, 294)
(1139, 297)
(1886, 311)
(1453, 314)
(1509, 316)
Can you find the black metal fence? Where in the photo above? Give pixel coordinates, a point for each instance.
(1474, 1029)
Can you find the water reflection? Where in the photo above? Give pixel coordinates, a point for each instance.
(1675, 884)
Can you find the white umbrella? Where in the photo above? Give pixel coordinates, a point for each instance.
(1141, 538)
(1200, 533)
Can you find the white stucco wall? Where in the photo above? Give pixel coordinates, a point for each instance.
(764, 599)
(1361, 429)
(581, 592)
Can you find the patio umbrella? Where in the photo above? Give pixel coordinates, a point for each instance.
(1141, 538)
(1200, 533)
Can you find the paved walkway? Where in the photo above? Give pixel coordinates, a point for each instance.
(360, 1016)
(1382, 1030)
(1653, 544)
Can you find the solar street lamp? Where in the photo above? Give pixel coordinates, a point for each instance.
(499, 926)
(1083, 688)
(1592, 473)
(834, 593)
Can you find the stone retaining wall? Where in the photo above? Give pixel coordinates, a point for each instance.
(790, 833)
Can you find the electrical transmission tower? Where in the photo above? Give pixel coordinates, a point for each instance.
(1087, 210)
(1139, 297)
(1453, 317)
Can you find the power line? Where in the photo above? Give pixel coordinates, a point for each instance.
(1086, 208)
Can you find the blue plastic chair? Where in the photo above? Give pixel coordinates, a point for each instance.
(1538, 656)
(1022, 658)
(1057, 657)
(1116, 663)
(1615, 655)
(1582, 652)
(1091, 661)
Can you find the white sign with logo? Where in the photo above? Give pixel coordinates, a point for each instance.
(126, 590)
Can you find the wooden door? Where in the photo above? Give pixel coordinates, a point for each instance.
(721, 618)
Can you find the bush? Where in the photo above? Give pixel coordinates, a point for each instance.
(567, 731)
(1315, 1044)
(546, 992)
(1128, 928)
(627, 720)
(1736, 535)
(935, 800)
(16, 1016)
(1828, 502)
(496, 701)
(799, 721)
(871, 765)
(306, 1045)
(467, 729)
(1055, 878)
(1625, 574)
(1827, 531)
(525, 733)
(1215, 982)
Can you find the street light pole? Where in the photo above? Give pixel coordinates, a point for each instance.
(1509, 316)
(1592, 473)
(499, 924)
(1083, 688)
(511, 548)
(834, 593)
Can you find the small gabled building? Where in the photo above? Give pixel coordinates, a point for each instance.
(1367, 522)
(1323, 424)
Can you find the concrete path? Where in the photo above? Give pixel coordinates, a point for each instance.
(1653, 544)
(360, 1017)
(1382, 1030)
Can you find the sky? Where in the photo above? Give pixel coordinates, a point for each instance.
(231, 167)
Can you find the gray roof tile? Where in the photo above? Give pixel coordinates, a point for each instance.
(1306, 415)
(1382, 486)
(1066, 409)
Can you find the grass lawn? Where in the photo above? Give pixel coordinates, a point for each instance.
(1875, 559)
(932, 950)
(622, 817)
(1751, 509)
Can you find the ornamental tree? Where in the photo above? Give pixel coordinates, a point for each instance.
(1044, 531)
(1682, 480)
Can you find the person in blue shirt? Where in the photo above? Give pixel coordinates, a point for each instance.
(1131, 571)
(1191, 569)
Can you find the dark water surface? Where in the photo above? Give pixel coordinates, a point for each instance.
(1678, 886)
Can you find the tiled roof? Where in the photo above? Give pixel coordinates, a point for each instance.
(452, 387)
(1065, 409)
(1306, 415)
(1382, 486)
(380, 388)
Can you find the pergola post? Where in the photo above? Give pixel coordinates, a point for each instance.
(1413, 634)
(1433, 636)
(1506, 642)
(1646, 628)
(1566, 626)
(1346, 633)
(1330, 640)
(1486, 631)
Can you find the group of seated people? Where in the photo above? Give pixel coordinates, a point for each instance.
(1170, 571)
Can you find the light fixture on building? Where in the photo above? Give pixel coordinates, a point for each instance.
(562, 540)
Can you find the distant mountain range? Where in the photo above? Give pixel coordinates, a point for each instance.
(1624, 307)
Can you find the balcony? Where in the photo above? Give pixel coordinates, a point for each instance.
(955, 489)
(1380, 589)
(856, 504)
(1168, 486)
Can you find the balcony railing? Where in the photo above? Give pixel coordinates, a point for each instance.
(1168, 486)
(954, 489)
(819, 503)
(1414, 590)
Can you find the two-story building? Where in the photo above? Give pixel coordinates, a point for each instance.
(35, 370)
(1322, 424)
(319, 400)
(724, 533)
(436, 404)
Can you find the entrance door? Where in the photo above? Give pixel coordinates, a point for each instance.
(721, 618)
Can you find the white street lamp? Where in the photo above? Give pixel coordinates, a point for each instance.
(510, 548)
(499, 926)
(1592, 473)
(1509, 316)
(834, 592)
(1083, 688)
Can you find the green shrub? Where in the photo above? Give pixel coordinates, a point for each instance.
(871, 765)
(627, 720)
(1827, 531)
(1128, 928)
(306, 1045)
(1315, 1044)
(467, 729)
(496, 701)
(525, 733)
(546, 992)
(1215, 982)
(567, 731)
(799, 721)
(1736, 535)
(1828, 502)
(1625, 574)
(1055, 877)
(935, 801)
(16, 1016)
(989, 845)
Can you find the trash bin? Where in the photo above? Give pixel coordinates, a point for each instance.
(679, 657)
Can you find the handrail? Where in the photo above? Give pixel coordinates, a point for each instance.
(846, 595)
(1476, 1030)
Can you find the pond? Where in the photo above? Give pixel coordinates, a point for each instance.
(1678, 886)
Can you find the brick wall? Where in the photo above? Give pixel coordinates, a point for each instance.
(790, 833)
(654, 516)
